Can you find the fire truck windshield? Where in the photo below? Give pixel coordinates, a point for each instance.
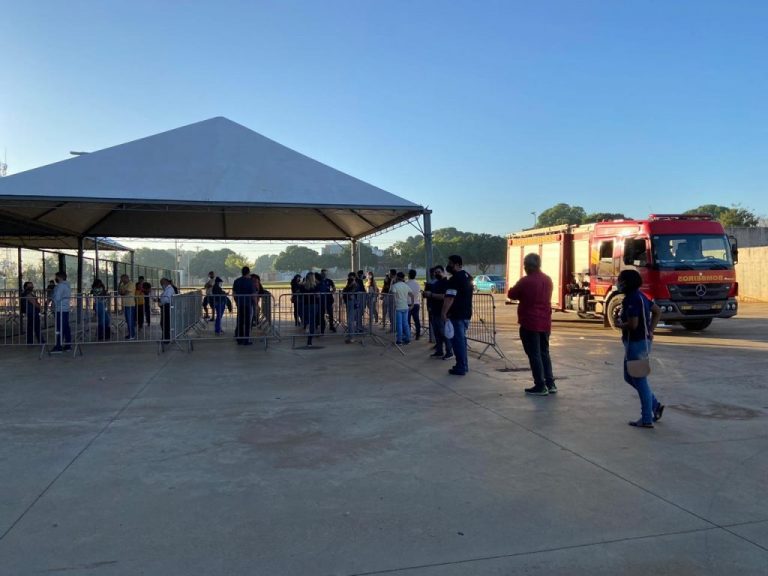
(691, 252)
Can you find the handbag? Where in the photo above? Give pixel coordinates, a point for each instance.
(641, 367)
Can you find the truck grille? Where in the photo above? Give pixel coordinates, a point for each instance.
(699, 291)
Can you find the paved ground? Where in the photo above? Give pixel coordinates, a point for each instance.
(356, 460)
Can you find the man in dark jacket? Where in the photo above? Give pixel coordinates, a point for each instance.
(457, 307)
(242, 289)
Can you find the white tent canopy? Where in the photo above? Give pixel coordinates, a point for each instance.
(213, 179)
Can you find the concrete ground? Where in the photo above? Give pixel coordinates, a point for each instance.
(351, 460)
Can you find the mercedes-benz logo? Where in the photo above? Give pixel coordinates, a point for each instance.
(701, 290)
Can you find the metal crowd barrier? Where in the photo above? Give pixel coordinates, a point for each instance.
(244, 318)
(348, 315)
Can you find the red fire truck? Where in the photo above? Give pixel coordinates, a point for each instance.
(686, 261)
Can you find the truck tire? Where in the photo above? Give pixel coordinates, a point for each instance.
(696, 325)
(612, 310)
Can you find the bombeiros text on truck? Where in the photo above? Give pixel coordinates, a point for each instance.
(686, 262)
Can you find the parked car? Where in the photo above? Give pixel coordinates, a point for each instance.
(489, 283)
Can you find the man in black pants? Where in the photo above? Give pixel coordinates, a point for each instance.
(242, 290)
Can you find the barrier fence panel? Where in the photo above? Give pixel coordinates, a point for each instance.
(482, 326)
(244, 318)
(327, 314)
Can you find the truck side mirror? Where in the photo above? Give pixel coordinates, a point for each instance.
(734, 248)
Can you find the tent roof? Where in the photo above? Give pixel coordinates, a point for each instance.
(60, 243)
(214, 179)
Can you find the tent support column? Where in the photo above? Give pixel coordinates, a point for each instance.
(133, 265)
(79, 280)
(96, 260)
(353, 254)
(45, 284)
(20, 283)
(427, 215)
(62, 262)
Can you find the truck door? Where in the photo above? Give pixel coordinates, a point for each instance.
(606, 266)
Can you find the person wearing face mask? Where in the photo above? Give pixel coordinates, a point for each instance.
(457, 308)
(638, 319)
(435, 295)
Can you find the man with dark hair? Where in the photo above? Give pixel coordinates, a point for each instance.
(435, 296)
(533, 293)
(208, 287)
(414, 308)
(60, 298)
(327, 288)
(457, 308)
(242, 291)
(127, 290)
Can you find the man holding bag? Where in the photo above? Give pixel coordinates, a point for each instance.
(637, 320)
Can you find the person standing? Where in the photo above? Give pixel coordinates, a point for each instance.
(60, 298)
(101, 306)
(327, 288)
(373, 295)
(218, 301)
(638, 319)
(353, 295)
(534, 315)
(127, 292)
(435, 296)
(146, 288)
(457, 308)
(295, 299)
(208, 288)
(242, 289)
(165, 308)
(139, 295)
(414, 310)
(32, 310)
(402, 301)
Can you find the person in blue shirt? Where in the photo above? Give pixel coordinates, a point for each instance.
(638, 319)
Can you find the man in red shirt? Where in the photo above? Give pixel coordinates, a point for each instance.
(534, 314)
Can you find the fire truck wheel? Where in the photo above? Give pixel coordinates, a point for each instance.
(696, 325)
(613, 310)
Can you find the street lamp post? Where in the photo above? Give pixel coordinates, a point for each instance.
(534, 218)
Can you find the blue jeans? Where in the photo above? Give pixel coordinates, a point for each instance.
(218, 306)
(648, 402)
(130, 319)
(459, 342)
(402, 326)
(63, 331)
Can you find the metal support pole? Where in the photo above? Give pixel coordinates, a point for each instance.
(44, 279)
(62, 262)
(79, 280)
(133, 264)
(427, 215)
(353, 254)
(21, 286)
(96, 247)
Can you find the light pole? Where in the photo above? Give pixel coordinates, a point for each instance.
(534, 218)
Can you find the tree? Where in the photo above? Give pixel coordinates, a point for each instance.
(735, 216)
(484, 250)
(234, 263)
(561, 214)
(296, 258)
(154, 257)
(206, 260)
(264, 263)
(602, 217)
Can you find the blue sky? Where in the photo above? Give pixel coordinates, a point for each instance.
(483, 110)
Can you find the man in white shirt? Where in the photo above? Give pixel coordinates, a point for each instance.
(403, 298)
(61, 296)
(415, 305)
(165, 308)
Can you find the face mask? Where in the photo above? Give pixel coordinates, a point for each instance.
(621, 287)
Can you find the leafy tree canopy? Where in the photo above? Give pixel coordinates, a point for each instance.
(735, 216)
(296, 258)
(561, 214)
(602, 217)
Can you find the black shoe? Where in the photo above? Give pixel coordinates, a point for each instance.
(456, 372)
(67, 348)
(640, 424)
(658, 413)
(436, 355)
(537, 391)
(57, 350)
(447, 356)
(551, 388)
